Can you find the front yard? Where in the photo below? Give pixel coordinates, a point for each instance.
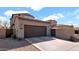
(38, 44)
(9, 44)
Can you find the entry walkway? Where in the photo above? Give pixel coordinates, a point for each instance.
(53, 44)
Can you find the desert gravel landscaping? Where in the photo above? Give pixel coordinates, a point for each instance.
(9, 44)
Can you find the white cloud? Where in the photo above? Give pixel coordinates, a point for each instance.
(39, 4)
(76, 25)
(60, 15)
(68, 23)
(10, 12)
(54, 17)
(76, 12)
(3, 18)
(77, 17)
(71, 23)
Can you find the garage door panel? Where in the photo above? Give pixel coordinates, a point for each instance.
(33, 31)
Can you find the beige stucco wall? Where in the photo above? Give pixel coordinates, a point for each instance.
(19, 26)
(2, 33)
(36, 23)
(15, 27)
(48, 31)
(65, 32)
(18, 31)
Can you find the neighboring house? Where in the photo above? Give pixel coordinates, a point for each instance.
(25, 25)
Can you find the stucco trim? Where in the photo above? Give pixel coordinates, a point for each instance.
(21, 18)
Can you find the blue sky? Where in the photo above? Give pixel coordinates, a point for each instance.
(63, 15)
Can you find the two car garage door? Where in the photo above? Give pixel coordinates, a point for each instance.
(34, 31)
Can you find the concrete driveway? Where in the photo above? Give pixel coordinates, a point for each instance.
(53, 44)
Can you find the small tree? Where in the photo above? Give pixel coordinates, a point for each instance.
(6, 24)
